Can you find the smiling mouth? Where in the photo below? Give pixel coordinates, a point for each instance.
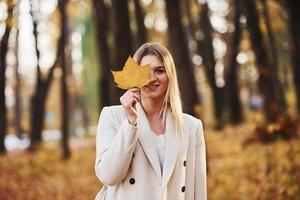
(152, 86)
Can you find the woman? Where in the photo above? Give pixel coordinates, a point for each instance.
(147, 149)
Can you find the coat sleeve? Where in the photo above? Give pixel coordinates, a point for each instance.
(114, 148)
(200, 168)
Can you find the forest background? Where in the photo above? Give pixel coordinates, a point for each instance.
(238, 64)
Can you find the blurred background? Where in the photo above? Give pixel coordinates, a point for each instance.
(238, 65)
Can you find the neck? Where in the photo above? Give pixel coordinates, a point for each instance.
(152, 107)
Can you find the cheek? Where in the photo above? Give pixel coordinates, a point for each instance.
(165, 80)
(165, 83)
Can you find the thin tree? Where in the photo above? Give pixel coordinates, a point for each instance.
(190, 28)
(273, 49)
(231, 70)
(267, 80)
(122, 40)
(293, 8)
(18, 105)
(3, 52)
(180, 51)
(38, 99)
(206, 50)
(101, 14)
(64, 88)
(139, 17)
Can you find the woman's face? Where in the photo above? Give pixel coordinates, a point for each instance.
(158, 84)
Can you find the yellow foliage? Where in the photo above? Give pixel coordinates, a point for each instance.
(273, 127)
(132, 75)
(255, 171)
(43, 175)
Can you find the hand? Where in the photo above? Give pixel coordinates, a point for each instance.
(128, 101)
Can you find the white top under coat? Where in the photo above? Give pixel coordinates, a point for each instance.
(161, 147)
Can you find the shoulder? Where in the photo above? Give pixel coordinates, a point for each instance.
(114, 112)
(112, 109)
(192, 123)
(191, 120)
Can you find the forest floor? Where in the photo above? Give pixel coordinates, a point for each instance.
(256, 171)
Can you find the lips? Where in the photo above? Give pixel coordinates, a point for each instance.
(152, 87)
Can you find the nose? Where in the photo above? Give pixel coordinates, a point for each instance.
(152, 76)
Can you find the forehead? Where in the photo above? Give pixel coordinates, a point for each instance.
(153, 60)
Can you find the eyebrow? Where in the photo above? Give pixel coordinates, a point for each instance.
(158, 67)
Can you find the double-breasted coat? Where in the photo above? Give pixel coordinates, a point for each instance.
(127, 161)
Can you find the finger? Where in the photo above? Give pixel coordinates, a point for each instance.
(138, 92)
(134, 100)
(134, 89)
(138, 96)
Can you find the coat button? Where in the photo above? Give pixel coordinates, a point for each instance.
(183, 189)
(132, 181)
(184, 163)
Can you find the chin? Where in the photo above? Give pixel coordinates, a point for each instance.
(152, 95)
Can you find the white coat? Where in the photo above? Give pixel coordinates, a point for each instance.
(127, 161)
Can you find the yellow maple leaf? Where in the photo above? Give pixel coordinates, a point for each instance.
(132, 75)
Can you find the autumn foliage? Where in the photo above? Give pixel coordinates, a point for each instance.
(256, 171)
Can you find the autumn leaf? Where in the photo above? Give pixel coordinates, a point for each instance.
(132, 75)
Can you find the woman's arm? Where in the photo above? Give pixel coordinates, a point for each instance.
(200, 169)
(114, 148)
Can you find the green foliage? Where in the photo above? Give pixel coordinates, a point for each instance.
(90, 70)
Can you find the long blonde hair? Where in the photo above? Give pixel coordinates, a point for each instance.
(172, 98)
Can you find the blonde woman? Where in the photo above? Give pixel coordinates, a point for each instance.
(147, 148)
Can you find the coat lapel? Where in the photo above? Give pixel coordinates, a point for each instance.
(148, 143)
(147, 140)
(172, 149)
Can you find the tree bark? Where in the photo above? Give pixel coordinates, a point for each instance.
(206, 50)
(267, 74)
(293, 7)
(64, 88)
(141, 29)
(3, 52)
(105, 79)
(274, 55)
(122, 40)
(18, 110)
(231, 72)
(38, 99)
(180, 51)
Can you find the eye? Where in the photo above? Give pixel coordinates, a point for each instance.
(159, 71)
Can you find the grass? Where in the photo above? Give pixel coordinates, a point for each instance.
(257, 171)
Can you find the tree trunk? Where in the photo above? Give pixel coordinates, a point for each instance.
(231, 72)
(206, 50)
(141, 29)
(18, 112)
(122, 40)
(191, 29)
(38, 99)
(179, 48)
(267, 74)
(64, 88)
(3, 52)
(293, 7)
(274, 55)
(105, 79)
(37, 106)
